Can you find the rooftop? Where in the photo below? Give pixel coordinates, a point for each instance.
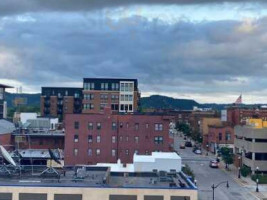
(5, 86)
(6, 126)
(99, 177)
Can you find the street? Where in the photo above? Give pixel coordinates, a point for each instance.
(207, 176)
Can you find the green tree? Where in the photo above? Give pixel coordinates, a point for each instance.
(185, 128)
(227, 156)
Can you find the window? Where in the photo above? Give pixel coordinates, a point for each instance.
(102, 86)
(228, 136)
(131, 107)
(90, 138)
(102, 106)
(89, 152)
(127, 151)
(106, 86)
(147, 125)
(158, 127)
(136, 126)
(98, 139)
(75, 152)
(1, 93)
(158, 140)
(127, 139)
(220, 136)
(122, 97)
(122, 86)
(121, 125)
(136, 151)
(76, 138)
(114, 126)
(113, 86)
(76, 125)
(98, 126)
(90, 126)
(97, 152)
(113, 139)
(31, 196)
(68, 197)
(136, 139)
(147, 152)
(121, 138)
(113, 152)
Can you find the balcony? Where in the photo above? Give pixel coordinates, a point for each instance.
(47, 103)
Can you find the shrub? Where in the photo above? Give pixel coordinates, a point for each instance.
(188, 171)
(245, 171)
(262, 178)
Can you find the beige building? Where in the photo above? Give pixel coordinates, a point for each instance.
(251, 142)
(94, 193)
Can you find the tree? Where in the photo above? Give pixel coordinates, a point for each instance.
(227, 156)
(185, 128)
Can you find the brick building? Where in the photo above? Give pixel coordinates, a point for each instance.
(220, 136)
(237, 115)
(107, 137)
(58, 101)
(121, 95)
(6, 129)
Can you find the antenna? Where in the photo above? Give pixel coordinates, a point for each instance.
(7, 156)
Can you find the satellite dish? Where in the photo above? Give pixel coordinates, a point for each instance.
(7, 156)
(53, 156)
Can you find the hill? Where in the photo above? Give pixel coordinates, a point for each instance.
(157, 101)
(31, 99)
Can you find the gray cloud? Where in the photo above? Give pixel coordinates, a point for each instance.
(8, 7)
(226, 57)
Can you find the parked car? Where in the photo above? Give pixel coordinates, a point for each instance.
(214, 164)
(188, 144)
(182, 146)
(198, 151)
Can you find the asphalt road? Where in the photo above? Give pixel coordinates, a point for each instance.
(207, 176)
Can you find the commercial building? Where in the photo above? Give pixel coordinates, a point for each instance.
(237, 115)
(3, 104)
(220, 136)
(58, 101)
(106, 182)
(107, 137)
(121, 95)
(251, 144)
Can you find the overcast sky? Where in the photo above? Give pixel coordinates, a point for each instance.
(194, 49)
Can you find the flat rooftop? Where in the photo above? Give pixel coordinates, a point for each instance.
(97, 177)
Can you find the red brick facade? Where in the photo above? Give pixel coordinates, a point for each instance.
(5, 140)
(220, 135)
(237, 116)
(119, 137)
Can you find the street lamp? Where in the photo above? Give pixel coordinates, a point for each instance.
(239, 163)
(207, 149)
(257, 180)
(214, 187)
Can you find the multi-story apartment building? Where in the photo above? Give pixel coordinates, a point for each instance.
(121, 95)
(107, 137)
(3, 105)
(58, 101)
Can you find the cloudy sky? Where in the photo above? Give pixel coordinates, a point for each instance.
(210, 51)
